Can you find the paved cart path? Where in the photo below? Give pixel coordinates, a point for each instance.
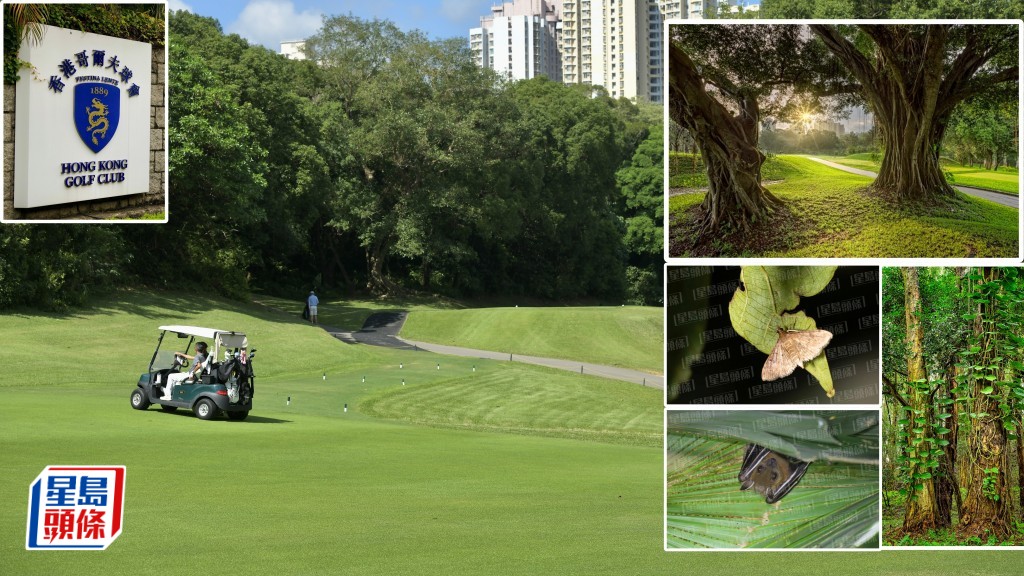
(381, 329)
(997, 197)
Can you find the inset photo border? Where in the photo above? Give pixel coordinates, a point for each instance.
(757, 480)
(85, 114)
(772, 335)
(843, 139)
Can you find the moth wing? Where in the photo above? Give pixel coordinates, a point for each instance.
(779, 363)
(804, 345)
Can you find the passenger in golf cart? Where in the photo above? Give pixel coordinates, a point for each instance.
(200, 363)
(198, 381)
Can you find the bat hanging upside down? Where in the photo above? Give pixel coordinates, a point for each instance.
(769, 473)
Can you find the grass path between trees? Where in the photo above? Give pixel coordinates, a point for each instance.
(829, 213)
(1005, 179)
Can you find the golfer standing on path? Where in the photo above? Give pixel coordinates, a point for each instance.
(312, 302)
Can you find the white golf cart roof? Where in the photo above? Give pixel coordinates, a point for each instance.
(226, 338)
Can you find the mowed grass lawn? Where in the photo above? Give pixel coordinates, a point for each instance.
(829, 213)
(477, 467)
(438, 485)
(626, 336)
(1005, 179)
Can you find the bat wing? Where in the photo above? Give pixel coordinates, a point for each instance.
(751, 456)
(792, 471)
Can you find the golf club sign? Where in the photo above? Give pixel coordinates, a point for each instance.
(82, 119)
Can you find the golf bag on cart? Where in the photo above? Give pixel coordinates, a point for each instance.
(237, 375)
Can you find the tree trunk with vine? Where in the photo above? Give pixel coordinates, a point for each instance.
(986, 510)
(946, 487)
(1020, 461)
(922, 513)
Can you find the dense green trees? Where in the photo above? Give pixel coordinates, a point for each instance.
(387, 161)
(890, 9)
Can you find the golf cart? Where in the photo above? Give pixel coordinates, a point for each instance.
(225, 383)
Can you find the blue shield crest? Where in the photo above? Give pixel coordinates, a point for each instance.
(97, 110)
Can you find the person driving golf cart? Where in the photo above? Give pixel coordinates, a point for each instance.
(199, 363)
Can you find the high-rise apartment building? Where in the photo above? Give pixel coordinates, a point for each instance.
(698, 9)
(607, 43)
(519, 40)
(617, 44)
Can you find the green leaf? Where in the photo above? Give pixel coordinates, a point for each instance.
(758, 309)
(986, 390)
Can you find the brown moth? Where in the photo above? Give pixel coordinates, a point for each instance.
(793, 348)
(769, 473)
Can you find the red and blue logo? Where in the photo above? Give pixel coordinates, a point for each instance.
(75, 508)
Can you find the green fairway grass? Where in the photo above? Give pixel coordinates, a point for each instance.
(627, 336)
(833, 216)
(423, 479)
(1005, 179)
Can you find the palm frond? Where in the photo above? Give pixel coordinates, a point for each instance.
(834, 506)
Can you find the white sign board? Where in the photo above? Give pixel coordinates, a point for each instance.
(82, 119)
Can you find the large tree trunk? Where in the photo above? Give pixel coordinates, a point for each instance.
(910, 170)
(378, 282)
(912, 84)
(986, 509)
(728, 143)
(922, 512)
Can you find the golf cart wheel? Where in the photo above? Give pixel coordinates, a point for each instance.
(139, 400)
(206, 409)
(168, 408)
(238, 415)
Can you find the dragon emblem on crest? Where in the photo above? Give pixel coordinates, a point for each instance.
(98, 122)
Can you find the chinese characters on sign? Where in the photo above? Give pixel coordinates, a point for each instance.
(75, 508)
(68, 69)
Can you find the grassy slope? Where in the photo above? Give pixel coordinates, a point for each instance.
(1005, 179)
(836, 219)
(630, 336)
(306, 489)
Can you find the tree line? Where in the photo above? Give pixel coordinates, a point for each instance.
(953, 398)
(384, 162)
